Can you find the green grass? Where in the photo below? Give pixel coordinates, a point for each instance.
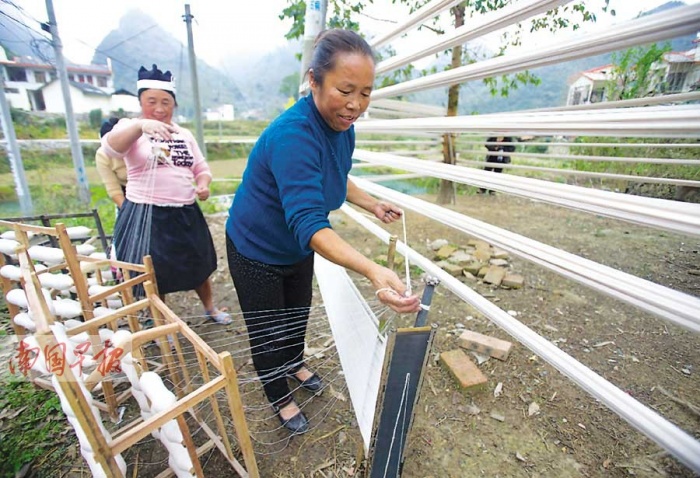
(34, 434)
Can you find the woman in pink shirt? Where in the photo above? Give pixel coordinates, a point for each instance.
(166, 173)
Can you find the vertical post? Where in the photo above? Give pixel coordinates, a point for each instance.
(195, 82)
(392, 252)
(76, 150)
(13, 154)
(422, 317)
(314, 23)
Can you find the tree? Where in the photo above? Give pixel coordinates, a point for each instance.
(289, 86)
(632, 75)
(344, 13)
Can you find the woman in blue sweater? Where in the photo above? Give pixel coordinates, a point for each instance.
(297, 173)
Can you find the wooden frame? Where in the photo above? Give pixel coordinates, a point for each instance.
(168, 323)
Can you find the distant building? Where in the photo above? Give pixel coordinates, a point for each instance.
(125, 101)
(32, 85)
(222, 113)
(677, 72)
(590, 85)
(84, 97)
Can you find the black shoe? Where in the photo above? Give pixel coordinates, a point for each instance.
(297, 424)
(312, 384)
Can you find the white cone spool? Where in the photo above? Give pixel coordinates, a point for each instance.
(23, 320)
(98, 289)
(56, 281)
(78, 232)
(67, 308)
(11, 272)
(10, 235)
(85, 249)
(8, 246)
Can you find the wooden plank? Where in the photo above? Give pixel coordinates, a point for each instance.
(236, 408)
(189, 444)
(168, 472)
(190, 335)
(68, 382)
(131, 437)
(204, 369)
(105, 319)
(235, 464)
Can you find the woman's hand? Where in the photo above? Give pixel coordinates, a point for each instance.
(157, 129)
(202, 192)
(387, 212)
(391, 291)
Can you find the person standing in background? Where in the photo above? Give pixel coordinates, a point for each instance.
(112, 171)
(497, 154)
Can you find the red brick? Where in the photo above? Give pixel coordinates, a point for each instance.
(464, 370)
(485, 345)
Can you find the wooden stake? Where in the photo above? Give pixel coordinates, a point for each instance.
(236, 407)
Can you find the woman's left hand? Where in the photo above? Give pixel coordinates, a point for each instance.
(387, 212)
(202, 192)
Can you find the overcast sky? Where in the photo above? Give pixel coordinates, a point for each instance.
(229, 27)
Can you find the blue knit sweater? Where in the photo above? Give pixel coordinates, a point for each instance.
(296, 174)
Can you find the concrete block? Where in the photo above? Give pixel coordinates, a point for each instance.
(445, 251)
(482, 255)
(479, 244)
(460, 257)
(485, 345)
(453, 269)
(499, 253)
(495, 275)
(514, 281)
(473, 267)
(463, 369)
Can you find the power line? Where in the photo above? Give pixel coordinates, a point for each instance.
(129, 38)
(20, 22)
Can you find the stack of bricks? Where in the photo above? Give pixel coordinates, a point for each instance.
(477, 260)
(462, 368)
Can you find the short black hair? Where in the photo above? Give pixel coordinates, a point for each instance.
(107, 125)
(329, 44)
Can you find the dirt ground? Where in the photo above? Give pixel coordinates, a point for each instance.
(453, 434)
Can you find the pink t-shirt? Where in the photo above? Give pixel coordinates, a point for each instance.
(162, 172)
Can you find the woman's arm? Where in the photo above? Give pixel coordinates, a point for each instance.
(384, 211)
(122, 137)
(332, 247)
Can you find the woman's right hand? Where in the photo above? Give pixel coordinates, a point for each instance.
(157, 129)
(391, 291)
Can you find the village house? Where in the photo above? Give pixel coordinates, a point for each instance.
(33, 85)
(677, 72)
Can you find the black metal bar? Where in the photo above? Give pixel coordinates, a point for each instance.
(422, 317)
(100, 230)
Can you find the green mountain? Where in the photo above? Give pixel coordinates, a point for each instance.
(139, 40)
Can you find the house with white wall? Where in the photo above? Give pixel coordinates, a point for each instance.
(676, 72)
(84, 97)
(222, 113)
(31, 84)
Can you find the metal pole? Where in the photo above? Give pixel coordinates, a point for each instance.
(314, 23)
(76, 150)
(195, 83)
(430, 283)
(13, 154)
